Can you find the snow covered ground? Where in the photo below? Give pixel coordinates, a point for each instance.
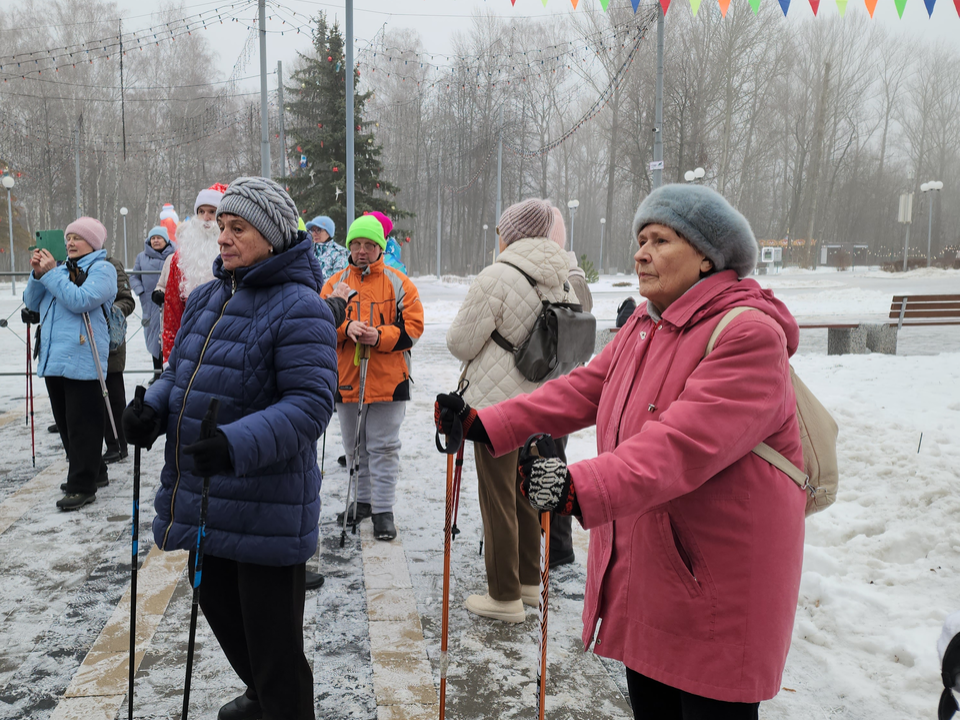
(880, 566)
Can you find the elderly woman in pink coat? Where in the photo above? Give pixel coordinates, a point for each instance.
(696, 543)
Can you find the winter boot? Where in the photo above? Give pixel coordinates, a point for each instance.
(363, 512)
(486, 606)
(530, 595)
(383, 527)
(314, 581)
(241, 708)
(75, 501)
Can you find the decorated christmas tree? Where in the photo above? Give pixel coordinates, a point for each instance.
(317, 113)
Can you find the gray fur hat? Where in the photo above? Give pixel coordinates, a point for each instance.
(266, 206)
(706, 220)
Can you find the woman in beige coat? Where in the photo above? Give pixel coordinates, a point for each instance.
(502, 299)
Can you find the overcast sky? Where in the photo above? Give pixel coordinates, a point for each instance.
(438, 20)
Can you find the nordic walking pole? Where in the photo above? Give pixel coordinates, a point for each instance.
(208, 428)
(323, 453)
(33, 437)
(139, 394)
(361, 357)
(103, 383)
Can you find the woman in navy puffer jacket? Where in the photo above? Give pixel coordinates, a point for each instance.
(261, 340)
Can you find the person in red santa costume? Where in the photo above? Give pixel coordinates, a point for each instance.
(192, 265)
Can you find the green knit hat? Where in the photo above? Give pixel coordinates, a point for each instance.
(367, 227)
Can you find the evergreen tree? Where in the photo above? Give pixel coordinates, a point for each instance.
(318, 114)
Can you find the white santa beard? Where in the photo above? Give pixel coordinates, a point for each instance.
(197, 249)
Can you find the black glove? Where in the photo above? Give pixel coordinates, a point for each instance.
(210, 456)
(29, 317)
(157, 297)
(625, 311)
(141, 424)
(450, 408)
(544, 478)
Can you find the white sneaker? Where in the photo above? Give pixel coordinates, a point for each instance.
(530, 595)
(486, 606)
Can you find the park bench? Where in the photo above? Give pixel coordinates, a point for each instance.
(905, 310)
(858, 337)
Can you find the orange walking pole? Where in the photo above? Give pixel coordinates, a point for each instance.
(445, 622)
(544, 592)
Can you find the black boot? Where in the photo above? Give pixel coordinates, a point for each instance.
(383, 527)
(363, 512)
(314, 581)
(241, 708)
(342, 461)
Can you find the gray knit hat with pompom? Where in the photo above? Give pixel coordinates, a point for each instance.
(266, 206)
(706, 220)
(527, 219)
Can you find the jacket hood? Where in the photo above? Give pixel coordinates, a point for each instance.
(294, 265)
(87, 260)
(721, 292)
(541, 258)
(168, 249)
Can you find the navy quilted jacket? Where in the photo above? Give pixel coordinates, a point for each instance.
(263, 342)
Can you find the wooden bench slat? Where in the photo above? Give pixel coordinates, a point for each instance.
(924, 298)
(927, 306)
(925, 313)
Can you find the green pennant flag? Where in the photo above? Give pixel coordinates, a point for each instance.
(603, 4)
(695, 6)
(544, 3)
(901, 4)
(755, 4)
(842, 7)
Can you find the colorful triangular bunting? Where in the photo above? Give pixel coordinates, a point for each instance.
(636, 4)
(815, 4)
(574, 3)
(957, 4)
(665, 4)
(695, 6)
(901, 4)
(871, 6)
(755, 4)
(842, 7)
(929, 4)
(785, 5)
(603, 4)
(724, 6)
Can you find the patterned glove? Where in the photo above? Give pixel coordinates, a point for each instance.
(210, 456)
(451, 407)
(545, 481)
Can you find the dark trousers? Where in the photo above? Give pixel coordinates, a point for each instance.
(256, 613)
(78, 411)
(157, 367)
(118, 401)
(652, 700)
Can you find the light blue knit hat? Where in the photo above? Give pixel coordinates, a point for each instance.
(705, 219)
(322, 222)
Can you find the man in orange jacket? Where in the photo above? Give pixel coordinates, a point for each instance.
(385, 314)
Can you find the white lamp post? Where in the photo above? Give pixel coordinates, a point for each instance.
(8, 183)
(925, 188)
(603, 221)
(123, 213)
(694, 175)
(485, 226)
(572, 205)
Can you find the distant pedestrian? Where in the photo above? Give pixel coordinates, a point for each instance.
(156, 249)
(61, 294)
(332, 256)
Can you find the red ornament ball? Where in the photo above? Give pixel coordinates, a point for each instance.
(335, 169)
(329, 58)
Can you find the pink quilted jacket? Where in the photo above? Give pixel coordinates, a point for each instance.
(696, 544)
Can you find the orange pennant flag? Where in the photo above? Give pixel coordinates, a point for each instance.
(871, 6)
(724, 6)
(574, 2)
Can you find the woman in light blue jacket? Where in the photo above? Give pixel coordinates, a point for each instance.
(156, 249)
(62, 294)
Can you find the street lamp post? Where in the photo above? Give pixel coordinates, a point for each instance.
(572, 205)
(693, 175)
(123, 213)
(485, 226)
(8, 183)
(925, 188)
(603, 222)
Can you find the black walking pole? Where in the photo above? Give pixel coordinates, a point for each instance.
(208, 428)
(139, 394)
